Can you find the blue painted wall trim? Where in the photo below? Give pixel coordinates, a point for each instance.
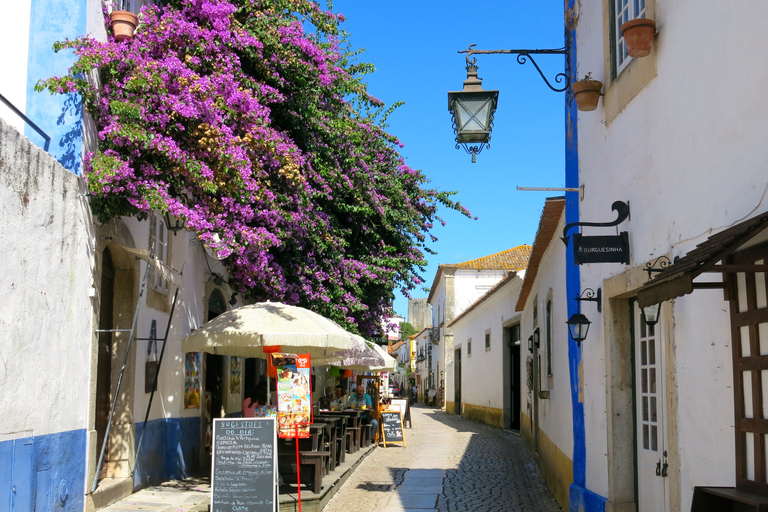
(47, 472)
(581, 499)
(59, 116)
(169, 450)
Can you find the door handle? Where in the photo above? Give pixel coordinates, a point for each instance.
(658, 468)
(664, 470)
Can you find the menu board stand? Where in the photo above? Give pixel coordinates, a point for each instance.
(244, 465)
(392, 427)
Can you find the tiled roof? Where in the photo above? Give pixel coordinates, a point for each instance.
(511, 259)
(396, 346)
(550, 218)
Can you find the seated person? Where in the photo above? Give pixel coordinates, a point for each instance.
(325, 401)
(255, 398)
(340, 400)
(359, 399)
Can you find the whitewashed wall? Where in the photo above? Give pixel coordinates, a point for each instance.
(555, 413)
(688, 153)
(46, 322)
(14, 33)
(482, 374)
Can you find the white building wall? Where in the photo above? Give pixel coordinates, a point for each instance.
(482, 373)
(14, 34)
(555, 413)
(46, 322)
(688, 154)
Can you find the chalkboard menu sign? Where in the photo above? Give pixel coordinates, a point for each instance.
(244, 465)
(392, 426)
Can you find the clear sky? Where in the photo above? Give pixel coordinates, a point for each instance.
(413, 45)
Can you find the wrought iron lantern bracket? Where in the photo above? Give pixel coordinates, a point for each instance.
(522, 58)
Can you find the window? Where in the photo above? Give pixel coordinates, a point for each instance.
(549, 338)
(488, 340)
(158, 245)
(469, 347)
(624, 11)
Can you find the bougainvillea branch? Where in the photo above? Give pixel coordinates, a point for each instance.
(248, 119)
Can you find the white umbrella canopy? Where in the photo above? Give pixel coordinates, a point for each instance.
(246, 330)
(362, 357)
(390, 363)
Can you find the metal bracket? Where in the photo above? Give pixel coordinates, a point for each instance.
(523, 56)
(622, 213)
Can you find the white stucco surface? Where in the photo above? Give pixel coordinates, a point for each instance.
(46, 323)
(688, 154)
(14, 33)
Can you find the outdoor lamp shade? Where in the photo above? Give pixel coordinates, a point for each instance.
(578, 325)
(651, 313)
(472, 115)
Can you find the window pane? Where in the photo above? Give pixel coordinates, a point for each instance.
(646, 444)
(644, 380)
(643, 353)
(653, 409)
(654, 438)
(651, 352)
(653, 380)
(645, 408)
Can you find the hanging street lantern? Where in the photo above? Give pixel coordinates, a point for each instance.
(651, 313)
(578, 326)
(472, 110)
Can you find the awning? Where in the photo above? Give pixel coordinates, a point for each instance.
(677, 279)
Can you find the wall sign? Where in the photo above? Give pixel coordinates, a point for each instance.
(601, 249)
(243, 475)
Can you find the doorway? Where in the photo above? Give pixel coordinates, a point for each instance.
(513, 335)
(457, 382)
(104, 357)
(649, 394)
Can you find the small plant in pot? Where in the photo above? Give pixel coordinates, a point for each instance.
(638, 35)
(124, 24)
(587, 93)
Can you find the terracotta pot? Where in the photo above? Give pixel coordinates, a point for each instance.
(124, 23)
(638, 34)
(587, 94)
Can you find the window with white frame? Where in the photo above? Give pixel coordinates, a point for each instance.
(624, 11)
(549, 338)
(488, 340)
(158, 245)
(469, 347)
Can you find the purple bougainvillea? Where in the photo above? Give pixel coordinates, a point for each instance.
(248, 119)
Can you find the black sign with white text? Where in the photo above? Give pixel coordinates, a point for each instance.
(601, 249)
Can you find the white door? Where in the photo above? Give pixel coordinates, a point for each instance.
(650, 414)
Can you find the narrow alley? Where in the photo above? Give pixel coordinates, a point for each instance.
(448, 464)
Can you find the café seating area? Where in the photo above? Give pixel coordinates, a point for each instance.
(338, 441)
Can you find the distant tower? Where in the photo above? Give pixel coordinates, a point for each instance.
(419, 313)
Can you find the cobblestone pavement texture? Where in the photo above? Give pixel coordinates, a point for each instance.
(450, 465)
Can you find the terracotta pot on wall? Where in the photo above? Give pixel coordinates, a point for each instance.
(587, 94)
(124, 23)
(638, 34)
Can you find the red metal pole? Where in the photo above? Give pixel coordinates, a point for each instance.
(298, 465)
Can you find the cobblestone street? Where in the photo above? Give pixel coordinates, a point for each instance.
(448, 464)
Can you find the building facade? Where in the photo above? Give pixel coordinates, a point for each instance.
(454, 289)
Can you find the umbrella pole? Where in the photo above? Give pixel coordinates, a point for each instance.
(298, 466)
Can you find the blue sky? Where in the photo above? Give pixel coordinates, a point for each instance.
(413, 46)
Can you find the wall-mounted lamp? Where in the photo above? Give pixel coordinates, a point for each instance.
(472, 108)
(174, 225)
(590, 295)
(217, 279)
(578, 326)
(530, 343)
(651, 313)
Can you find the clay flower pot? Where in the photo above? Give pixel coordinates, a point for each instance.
(638, 34)
(587, 94)
(124, 23)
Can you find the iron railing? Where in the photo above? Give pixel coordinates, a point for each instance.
(27, 120)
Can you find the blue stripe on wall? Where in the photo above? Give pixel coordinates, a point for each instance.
(59, 116)
(581, 499)
(43, 473)
(169, 450)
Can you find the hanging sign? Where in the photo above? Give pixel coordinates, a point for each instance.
(601, 249)
(294, 400)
